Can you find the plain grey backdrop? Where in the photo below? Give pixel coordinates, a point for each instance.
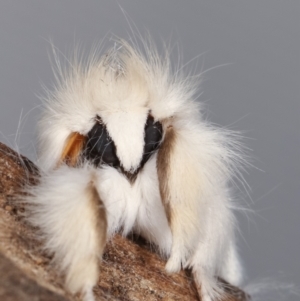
(257, 92)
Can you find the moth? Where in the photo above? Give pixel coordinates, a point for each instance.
(124, 147)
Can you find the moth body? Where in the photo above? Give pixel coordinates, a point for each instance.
(124, 140)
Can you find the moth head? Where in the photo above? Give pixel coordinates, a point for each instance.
(114, 125)
(111, 111)
(128, 149)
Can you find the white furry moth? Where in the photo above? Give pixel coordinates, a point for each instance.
(123, 147)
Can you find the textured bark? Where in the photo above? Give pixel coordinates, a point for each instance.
(130, 269)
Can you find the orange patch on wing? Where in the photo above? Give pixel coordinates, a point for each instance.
(72, 149)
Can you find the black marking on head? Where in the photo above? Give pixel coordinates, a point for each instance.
(153, 138)
(100, 149)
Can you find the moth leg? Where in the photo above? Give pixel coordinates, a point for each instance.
(232, 269)
(216, 253)
(151, 221)
(68, 210)
(193, 172)
(179, 189)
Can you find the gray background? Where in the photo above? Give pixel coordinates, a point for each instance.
(258, 93)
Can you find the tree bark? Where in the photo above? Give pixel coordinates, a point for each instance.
(130, 269)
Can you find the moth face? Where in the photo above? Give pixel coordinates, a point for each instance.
(126, 147)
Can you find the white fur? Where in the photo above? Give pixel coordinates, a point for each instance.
(121, 88)
(60, 207)
(135, 206)
(129, 150)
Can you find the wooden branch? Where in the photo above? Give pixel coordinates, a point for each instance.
(130, 270)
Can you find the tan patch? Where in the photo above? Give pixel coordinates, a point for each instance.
(72, 149)
(163, 168)
(100, 216)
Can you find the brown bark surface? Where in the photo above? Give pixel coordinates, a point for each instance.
(130, 270)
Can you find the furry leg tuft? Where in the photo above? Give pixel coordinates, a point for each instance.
(71, 217)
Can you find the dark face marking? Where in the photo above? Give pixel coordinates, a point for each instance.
(153, 138)
(101, 150)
